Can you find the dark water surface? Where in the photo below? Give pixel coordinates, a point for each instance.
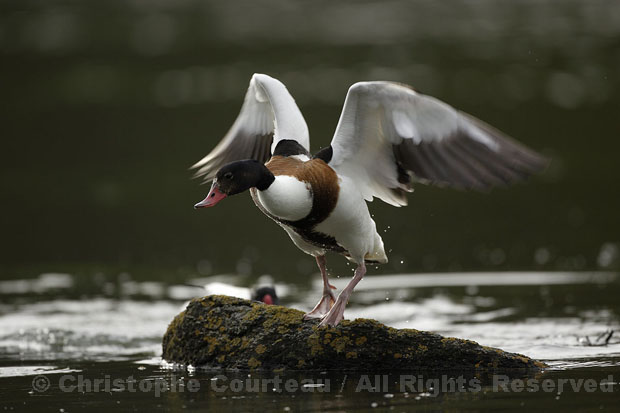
(106, 104)
(63, 348)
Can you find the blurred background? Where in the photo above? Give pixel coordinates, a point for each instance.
(105, 106)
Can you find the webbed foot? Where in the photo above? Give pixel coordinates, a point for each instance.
(323, 306)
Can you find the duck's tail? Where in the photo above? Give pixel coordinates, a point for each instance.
(377, 255)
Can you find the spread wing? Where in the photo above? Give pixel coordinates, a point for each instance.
(268, 115)
(388, 135)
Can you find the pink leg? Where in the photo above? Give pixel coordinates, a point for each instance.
(328, 299)
(336, 314)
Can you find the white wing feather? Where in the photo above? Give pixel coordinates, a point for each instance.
(388, 133)
(268, 115)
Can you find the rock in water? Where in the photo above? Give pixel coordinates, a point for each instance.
(232, 333)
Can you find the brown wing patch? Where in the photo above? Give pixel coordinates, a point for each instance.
(284, 165)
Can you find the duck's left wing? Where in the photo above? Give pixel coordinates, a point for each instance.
(389, 134)
(268, 115)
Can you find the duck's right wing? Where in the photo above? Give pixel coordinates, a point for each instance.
(268, 115)
(390, 135)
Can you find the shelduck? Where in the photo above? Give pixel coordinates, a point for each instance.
(388, 137)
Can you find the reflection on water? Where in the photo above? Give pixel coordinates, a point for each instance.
(412, 391)
(19, 371)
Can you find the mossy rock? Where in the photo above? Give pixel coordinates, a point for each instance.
(232, 333)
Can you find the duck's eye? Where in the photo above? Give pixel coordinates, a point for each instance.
(228, 175)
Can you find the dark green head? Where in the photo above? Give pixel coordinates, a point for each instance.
(237, 177)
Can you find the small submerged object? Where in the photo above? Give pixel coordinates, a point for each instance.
(266, 294)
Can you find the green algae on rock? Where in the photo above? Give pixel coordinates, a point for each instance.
(231, 333)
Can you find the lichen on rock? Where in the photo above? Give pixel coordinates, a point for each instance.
(232, 333)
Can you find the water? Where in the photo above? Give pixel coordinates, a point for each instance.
(569, 320)
(106, 105)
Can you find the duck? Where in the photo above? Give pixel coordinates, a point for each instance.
(389, 136)
(266, 294)
(262, 293)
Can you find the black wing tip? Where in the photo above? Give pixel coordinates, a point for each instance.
(527, 162)
(200, 171)
(519, 173)
(469, 165)
(541, 163)
(259, 149)
(205, 178)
